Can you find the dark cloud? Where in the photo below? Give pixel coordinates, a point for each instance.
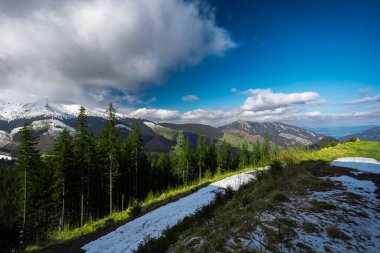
(64, 48)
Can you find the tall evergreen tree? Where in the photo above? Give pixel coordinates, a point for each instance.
(109, 145)
(138, 159)
(179, 158)
(212, 157)
(256, 153)
(201, 153)
(63, 158)
(225, 156)
(243, 155)
(81, 158)
(265, 149)
(28, 164)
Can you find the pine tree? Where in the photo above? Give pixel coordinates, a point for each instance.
(80, 147)
(225, 156)
(201, 153)
(63, 157)
(265, 149)
(109, 145)
(28, 164)
(212, 159)
(256, 153)
(179, 158)
(243, 155)
(138, 159)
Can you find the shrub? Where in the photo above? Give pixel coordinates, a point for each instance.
(229, 192)
(277, 196)
(353, 139)
(309, 227)
(276, 168)
(320, 206)
(135, 207)
(337, 234)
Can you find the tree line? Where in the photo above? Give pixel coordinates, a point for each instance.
(86, 178)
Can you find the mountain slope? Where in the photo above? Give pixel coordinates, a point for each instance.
(372, 134)
(339, 132)
(49, 120)
(281, 134)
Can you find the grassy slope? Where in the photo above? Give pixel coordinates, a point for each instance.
(150, 203)
(210, 230)
(348, 149)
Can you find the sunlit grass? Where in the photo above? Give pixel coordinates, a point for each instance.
(348, 149)
(33, 248)
(69, 233)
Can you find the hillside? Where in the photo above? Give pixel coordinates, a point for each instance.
(339, 131)
(320, 208)
(306, 182)
(372, 134)
(280, 134)
(301, 205)
(49, 119)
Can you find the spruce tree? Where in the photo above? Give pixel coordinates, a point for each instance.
(256, 153)
(179, 158)
(80, 147)
(109, 146)
(265, 149)
(63, 157)
(243, 155)
(212, 159)
(138, 159)
(28, 164)
(201, 153)
(225, 156)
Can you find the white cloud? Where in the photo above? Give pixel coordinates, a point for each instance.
(363, 100)
(265, 99)
(152, 100)
(234, 90)
(190, 98)
(257, 91)
(156, 114)
(66, 48)
(365, 90)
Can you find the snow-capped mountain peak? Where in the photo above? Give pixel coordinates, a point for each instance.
(13, 111)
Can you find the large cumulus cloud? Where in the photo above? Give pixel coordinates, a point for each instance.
(65, 48)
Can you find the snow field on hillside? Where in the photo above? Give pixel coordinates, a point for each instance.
(127, 237)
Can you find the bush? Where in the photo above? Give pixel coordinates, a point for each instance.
(135, 208)
(337, 234)
(229, 192)
(353, 139)
(320, 206)
(277, 196)
(276, 168)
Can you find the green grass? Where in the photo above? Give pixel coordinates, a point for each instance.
(267, 193)
(33, 248)
(235, 140)
(166, 132)
(91, 226)
(368, 149)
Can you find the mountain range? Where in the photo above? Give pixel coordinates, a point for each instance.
(372, 134)
(49, 119)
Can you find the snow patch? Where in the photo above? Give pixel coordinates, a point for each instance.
(363, 164)
(127, 237)
(295, 138)
(5, 157)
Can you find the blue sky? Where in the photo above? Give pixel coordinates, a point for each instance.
(313, 63)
